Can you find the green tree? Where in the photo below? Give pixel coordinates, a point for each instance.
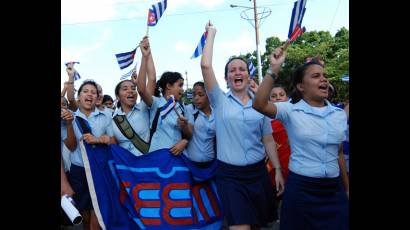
(333, 50)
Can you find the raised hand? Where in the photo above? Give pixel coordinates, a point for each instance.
(276, 59)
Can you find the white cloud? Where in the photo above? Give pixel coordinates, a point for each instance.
(77, 53)
(242, 44)
(209, 3)
(182, 46)
(77, 11)
(134, 14)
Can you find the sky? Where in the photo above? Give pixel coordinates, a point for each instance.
(93, 31)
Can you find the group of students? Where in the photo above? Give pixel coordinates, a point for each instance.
(236, 129)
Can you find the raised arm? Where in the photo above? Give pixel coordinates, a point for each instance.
(146, 94)
(261, 102)
(206, 59)
(72, 103)
(152, 75)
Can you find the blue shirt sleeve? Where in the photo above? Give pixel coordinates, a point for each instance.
(267, 128)
(216, 96)
(282, 111)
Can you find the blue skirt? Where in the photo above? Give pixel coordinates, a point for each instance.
(246, 194)
(78, 182)
(314, 203)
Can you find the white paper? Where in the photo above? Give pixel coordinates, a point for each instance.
(71, 210)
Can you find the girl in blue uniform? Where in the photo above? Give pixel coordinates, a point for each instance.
(136, 114)
(243, 135)
(174, 130)
(101, 133)
(314, 196)
(201, 147)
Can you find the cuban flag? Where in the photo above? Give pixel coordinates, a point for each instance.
(130, 73)
(189, 95)
(345, 78)
(154, 191)
(296, 33)
(170, 105)
(200, 47)
(76, 74)
(297, 15)
(252, 69)
(125, 59)
(156, 11)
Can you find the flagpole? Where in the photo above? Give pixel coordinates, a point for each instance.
(146, 34)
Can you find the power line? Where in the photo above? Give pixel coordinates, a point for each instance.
(169, 15)
(334, 15)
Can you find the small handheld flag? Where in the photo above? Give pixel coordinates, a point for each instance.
(345, 78)
(167, 107)
(156, 11)
(296, 33)
(127, 75)
(200, 47)
(297, 15)
(125, 59)
(76, 74)
(252, 69)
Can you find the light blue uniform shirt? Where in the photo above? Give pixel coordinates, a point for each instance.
(201, 146)
(138, 118)
(314, 137)
(239, 129)
(100, 123)
(168, 132)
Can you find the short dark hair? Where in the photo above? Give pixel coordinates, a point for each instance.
(107, 98)
(88, 82)
(298, 77)
(230, 60)
(199, 83)
(166, 78)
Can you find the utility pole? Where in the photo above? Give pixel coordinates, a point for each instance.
(256, 20)
(186, 76)
(257, 41)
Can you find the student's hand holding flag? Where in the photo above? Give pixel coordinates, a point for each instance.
(145, 47)
(182, 121)
(70, 71)
(276, 59)
(253, 86)
(209, 28)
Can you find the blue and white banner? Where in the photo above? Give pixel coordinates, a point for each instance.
(154, 191)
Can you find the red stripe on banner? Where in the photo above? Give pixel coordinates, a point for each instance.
(123, 191)
(169, 204)
(196, 193)
(213, 201)
(146, 204)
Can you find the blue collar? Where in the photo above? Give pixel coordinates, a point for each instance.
(94, 113)
(305, 107)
